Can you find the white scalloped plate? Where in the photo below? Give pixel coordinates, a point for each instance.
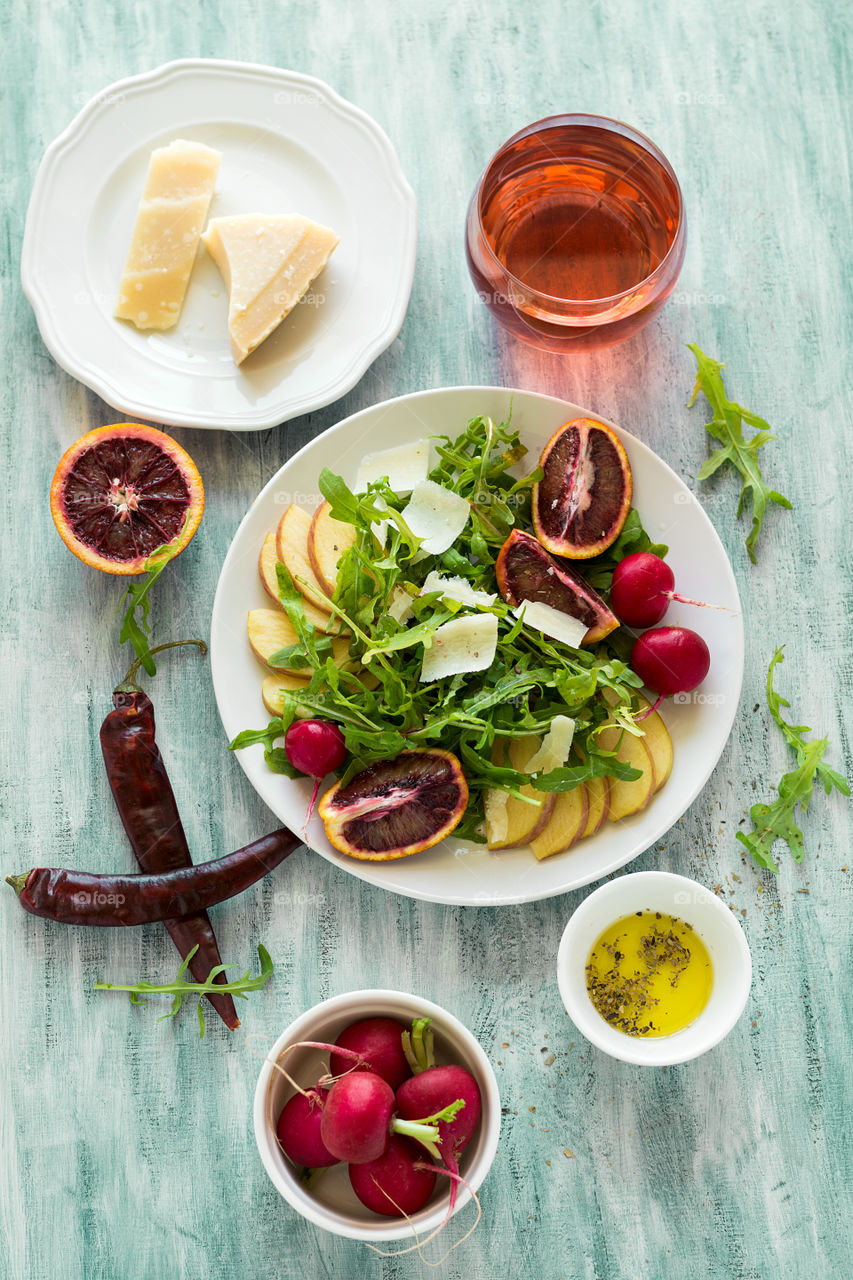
(288, 142)
(457, 871)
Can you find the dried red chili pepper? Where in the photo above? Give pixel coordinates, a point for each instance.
(148, 810)
(111, 901)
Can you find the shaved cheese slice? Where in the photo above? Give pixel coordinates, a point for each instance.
(552, 622)
(555, 748)
(436, 515)
(456, 589)
(497, 820)
(400, 606)
(405, 466)
(463, 645)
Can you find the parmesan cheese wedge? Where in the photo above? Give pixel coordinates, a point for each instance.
(267, 262)
(552, 622)
(456, 589)
(405, 466)
(165, 237)
(461, 646)
(435, 515)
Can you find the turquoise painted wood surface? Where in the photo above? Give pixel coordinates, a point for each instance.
(125, 1144)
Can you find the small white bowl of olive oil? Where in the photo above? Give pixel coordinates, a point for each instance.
(654, 968)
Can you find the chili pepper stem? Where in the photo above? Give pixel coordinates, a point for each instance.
(18, 883)
(128, 686)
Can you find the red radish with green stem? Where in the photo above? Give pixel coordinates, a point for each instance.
(358, 1119)
(429, 1092)
(396, 1184)
(315, 747)
(670, 660)
(379, 1041)
(642, 590)
(298, 1131)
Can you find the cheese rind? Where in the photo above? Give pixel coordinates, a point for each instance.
(267, 262)
(166, 234)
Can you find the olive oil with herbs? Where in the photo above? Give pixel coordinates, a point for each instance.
(649, 974)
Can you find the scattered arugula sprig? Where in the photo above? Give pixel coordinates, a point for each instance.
(137, 630)
(531, 680)
(181, 989)
(726, 426)
(772, 822)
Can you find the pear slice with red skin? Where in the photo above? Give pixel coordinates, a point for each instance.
(267, 561)
(328, 539)
(291, 539)
(270, 630)
(627, 798)
(657, 741)
(598, 797)
(566, 824)
(526, 571)
(524, 819)
(584, 496)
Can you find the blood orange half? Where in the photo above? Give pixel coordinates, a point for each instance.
(584, 496)
(396, 807)
(122, 491)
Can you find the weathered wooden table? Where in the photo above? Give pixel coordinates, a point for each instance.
(126, 1144)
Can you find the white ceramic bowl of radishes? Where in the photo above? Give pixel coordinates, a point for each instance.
(330, 1201)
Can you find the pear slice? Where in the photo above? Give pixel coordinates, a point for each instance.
(276, 685)
(511, 822)
(627, 798)
(566, 824)
(598, 796)
(658, 742)
(271, 629)
(291, 540)
(328, 539)
(267, 562)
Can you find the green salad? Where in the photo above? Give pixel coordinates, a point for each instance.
(379, 699)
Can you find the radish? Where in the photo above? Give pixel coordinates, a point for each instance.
(671, 660)
(358, 1118)
(642, 589)
(298, 1131)
(315, 747)
(379, 1041)
(398, 1183)
(428, 1094)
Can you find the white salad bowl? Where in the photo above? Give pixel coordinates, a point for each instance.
(711, 919)
(331, 1203)
(458, 871)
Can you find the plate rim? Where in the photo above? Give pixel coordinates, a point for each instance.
(361, 870)
(98, 379)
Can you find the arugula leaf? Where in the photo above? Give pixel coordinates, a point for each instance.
(181, 989)
(772, 822)
(726, 426)
(137, 631)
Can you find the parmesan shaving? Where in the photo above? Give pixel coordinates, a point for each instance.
(497, 822)
(435, 515)
(555, 748)
(400, 606)
(456, 589)
(405, 466)
(461, 646)
(552, 622)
